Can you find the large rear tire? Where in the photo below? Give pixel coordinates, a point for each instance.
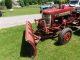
(64, 36)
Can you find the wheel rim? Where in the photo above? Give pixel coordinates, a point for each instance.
(67, 37)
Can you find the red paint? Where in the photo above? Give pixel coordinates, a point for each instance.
(50, 30)
(30, 37)
(67, 36)
(57, 11)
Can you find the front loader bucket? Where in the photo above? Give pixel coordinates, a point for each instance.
(30, 37)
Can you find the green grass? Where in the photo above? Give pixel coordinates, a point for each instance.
(32, 9)
(11, 40)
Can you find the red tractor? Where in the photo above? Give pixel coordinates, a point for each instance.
(54, 22)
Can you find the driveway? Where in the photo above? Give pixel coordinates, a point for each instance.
(6, 22)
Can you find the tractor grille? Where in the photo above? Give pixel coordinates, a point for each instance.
(47, 19)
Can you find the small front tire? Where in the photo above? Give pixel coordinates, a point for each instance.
(64, 36)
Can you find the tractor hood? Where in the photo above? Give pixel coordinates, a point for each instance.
(57, 11)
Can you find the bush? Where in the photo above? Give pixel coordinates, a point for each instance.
(0, 13)
(21, 2)
(35, 2)
(30, 3)
(26, 3)
(8, 4)
(1, 3)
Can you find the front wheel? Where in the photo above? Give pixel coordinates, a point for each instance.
(65, 36)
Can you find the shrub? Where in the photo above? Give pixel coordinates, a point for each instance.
(21, 2)
(8, 4)
(0, 13)
(1, 2)
(26, 3)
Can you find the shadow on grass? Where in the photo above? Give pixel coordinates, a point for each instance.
(77, 33)
(74, 28)
(26, 49)
(57, 42)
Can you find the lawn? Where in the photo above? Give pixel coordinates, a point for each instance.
(11, 41)
(32, 9)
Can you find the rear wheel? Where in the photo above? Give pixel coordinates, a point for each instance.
(65, 36)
